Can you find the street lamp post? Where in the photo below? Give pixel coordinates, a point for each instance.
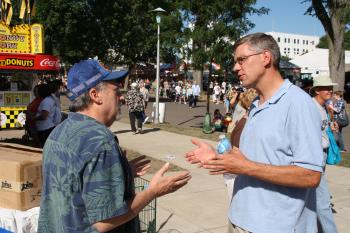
(156, 117)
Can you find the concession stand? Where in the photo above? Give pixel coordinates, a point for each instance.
(22, 65)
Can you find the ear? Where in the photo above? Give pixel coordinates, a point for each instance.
(95, 96)
(267, 58)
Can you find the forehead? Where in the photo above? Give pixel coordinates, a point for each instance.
(243, 49)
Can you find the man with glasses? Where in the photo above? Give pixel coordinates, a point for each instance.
(88, 182)
(279, 160)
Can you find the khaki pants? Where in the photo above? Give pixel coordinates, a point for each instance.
(235, 229)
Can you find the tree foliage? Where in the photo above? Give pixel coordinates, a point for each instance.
(334, 16)
(324, 42)
(122, 31)
(125, 31)
(216, 24)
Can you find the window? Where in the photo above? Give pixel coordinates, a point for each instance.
(295, 41)
(307, 42)
(278, 39)
(285, 40)
(288, 40)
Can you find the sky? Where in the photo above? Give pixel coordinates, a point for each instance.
(286, 16)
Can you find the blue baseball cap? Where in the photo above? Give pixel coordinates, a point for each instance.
(87, 74)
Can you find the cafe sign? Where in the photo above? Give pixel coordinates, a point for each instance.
(22, 38)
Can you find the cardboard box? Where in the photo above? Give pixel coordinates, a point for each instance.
(20, 176)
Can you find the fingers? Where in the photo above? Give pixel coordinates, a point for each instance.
(195, 142)
(217, 172)
(143, 170)
(179, 180)
(136, 160)
(163, 169)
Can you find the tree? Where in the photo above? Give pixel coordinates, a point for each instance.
(334, 16)
(324, 42)
(122, 31)
(215, 25)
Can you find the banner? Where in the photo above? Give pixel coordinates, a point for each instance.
(29, 62)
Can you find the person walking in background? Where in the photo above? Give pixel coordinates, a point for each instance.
(217, 91)
(189, 94)
(341, 117)
(88, 183)
(178, 93)
(145, 96)
(322, 91)
(279, 161)
(134, 100)
(196, 90)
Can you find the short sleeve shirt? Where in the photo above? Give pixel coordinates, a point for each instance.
(86, 178)
(283, 131)
(49, 105)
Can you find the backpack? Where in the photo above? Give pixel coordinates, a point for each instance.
(344, 121)
(333, 155)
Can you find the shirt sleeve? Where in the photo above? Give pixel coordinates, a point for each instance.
(104, 185)
(304, 133)
(46, 104)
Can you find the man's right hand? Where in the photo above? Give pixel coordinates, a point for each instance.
(202, 153)
(161, 185)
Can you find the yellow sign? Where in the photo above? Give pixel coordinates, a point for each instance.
(22, 38)
(37, 41)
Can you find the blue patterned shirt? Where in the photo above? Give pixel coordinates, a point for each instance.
(86, 178)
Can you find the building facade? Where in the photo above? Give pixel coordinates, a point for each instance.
(294, 45)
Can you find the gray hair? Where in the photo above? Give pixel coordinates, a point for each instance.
(83, 101)
(260, 42)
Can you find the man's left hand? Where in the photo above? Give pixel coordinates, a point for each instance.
(233, 162)
(140, 165)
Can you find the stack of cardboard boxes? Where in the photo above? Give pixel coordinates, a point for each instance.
(20, 177)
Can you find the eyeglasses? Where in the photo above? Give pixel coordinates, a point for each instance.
(243, 59)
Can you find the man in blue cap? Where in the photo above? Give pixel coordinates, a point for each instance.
(87, 180)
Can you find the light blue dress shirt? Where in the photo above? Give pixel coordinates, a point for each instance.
(285, 130)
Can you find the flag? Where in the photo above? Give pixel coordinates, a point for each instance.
(33, 9)
(25, 8)
(6, 8)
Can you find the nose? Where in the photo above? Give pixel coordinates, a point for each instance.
(236, 67)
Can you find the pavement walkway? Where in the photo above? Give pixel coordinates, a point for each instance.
(201, 206)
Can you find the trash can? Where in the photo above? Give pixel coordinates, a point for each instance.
(161, 112)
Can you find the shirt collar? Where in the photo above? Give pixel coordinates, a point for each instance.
(277, 96)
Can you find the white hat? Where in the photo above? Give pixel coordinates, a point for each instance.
(323, 81)
(133, 85)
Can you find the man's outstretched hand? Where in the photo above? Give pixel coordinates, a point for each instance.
(161, 185)
(202, 153)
